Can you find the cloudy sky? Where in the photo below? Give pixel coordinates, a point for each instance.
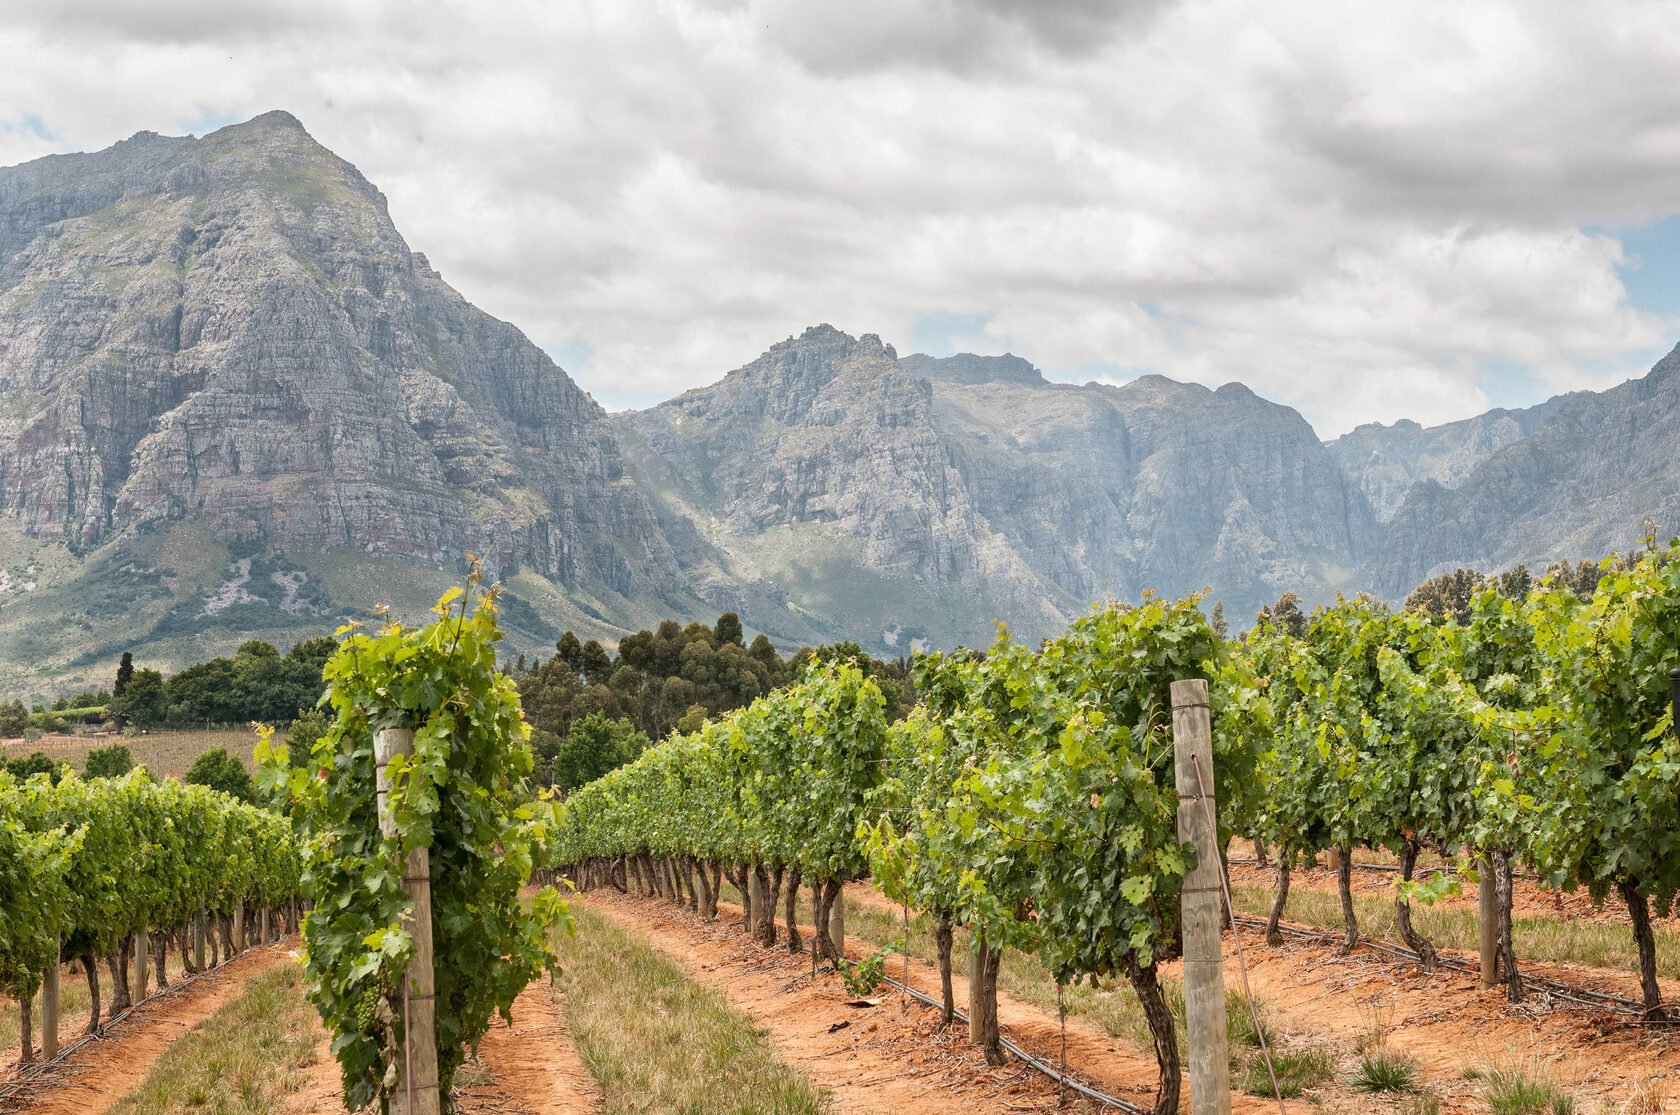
(1369, 211)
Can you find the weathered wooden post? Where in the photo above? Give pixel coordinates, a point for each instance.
(142, 952)
(198, 939)
(1487, 910)
(755, 901)
(837, 921)
(417, 1087)
(49, 1007)
(1204, 953)
(239, 928)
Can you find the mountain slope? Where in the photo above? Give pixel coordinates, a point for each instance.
(1388, 461)
(1580, 486)
(229, 331)
(949, 493)
(818, 467)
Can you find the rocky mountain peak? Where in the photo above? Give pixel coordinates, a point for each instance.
(231, 329)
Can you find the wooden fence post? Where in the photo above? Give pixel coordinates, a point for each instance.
(239, 928)
(417, 1075)
(1487, 911)
(837, 921)
(198, 939)
(1204, 952)
(755, 901)
(49, 1007)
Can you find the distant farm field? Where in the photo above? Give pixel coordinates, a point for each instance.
(166, 751)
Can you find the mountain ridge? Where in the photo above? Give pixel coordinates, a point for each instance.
(233, 400)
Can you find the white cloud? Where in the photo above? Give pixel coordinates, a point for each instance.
(1354, 208)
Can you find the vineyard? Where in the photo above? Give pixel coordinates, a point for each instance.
(1010, 854)
(1029, 796)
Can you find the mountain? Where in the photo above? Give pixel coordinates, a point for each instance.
(941, 495)
(1581, 485)
(234, 403)
(225, 341)
(1388, 461)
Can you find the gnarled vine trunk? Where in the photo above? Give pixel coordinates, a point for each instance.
(942, 941)
(1639, 909)
(770, 890)
(160, 958)
(708, 895)
(117, 962)
(1273, 935)
(983, 963)
(790, 913)
(828, 893)
(1415, 941)
(91, 967)
(183, 943)
(26, 1033)
(1501, 860)
(1259, 852)
(1344, 887)
(1161, 1030)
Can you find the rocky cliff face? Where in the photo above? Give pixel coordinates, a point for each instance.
(1387, 462)
(232, 328)
(1582, 485)
(824, 448)
(1022, 499)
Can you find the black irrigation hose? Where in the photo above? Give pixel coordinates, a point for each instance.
(1047, 1070)
(1357, 866)
(12, 1087)
(1596, 999)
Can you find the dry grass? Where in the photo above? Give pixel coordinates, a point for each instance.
(654, 1040)
(1541, 940)
(243, 1059)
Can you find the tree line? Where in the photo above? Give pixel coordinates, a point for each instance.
(592, 710)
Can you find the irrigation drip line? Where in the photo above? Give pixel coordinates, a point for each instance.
(1047, 1070)
(12, 1087)
(1596, 999)
(1357, 866)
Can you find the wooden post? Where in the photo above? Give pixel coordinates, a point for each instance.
(142, 953)
(976, 990)
(198, 939)
(1487, 910)
(49, 1008)
(755, 901)
(239, 928)
(837, 921)
(417, 1072)
(1204, 954)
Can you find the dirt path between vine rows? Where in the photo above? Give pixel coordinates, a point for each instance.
(530, 1068)
(1448, 1021)
(104, 1070)
(885, 1058)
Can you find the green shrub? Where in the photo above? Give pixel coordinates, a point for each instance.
(218, 770)
(108, 762)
